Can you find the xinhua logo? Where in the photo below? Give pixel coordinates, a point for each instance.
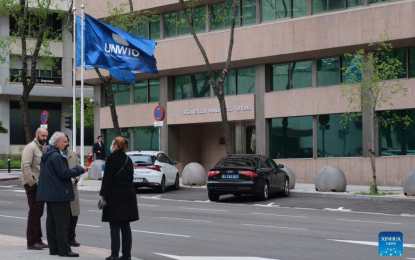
(390, 243)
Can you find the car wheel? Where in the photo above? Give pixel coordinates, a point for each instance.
(286, 190)
(213, 196)
(162, 187)
(177, 182)
(265, 192)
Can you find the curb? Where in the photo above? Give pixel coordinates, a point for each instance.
(347, 196)
(9, 179)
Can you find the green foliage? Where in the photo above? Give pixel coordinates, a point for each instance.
(373, 188)
(371, 80)
(2, 129)
(15, 161)
(88, 113)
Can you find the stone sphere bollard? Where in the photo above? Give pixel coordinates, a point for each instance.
(409, 184)
(194, 174)
(95, 171)
(290, 175)
(331, 178)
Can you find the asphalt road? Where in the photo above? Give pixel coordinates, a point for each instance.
(180, 224)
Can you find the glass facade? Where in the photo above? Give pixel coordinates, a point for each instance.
(199, 19)
(221, 16)
(140, 92)
(229, 86)
(412, 62)
(154, 90)
(283, 9)
(246, 80)
(336, 140)
(301, 74)
(402, 57)
(328, 71)
(280, 77)
(155, 28)
(398, 139)
(353, 3)
(175, 23)
(182, 88)
(170, 21)
(300, 8)
(377, 1)
(291, 137)
(200, 85)
(123, 94)
(147, 91)
(146, 138)
(248, 12)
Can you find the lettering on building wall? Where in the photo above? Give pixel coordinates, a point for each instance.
(215, 110)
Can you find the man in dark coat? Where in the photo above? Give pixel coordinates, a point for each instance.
(55, 188)
(99, 149)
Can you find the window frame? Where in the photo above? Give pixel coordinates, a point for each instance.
(148, 91)
(290, 72)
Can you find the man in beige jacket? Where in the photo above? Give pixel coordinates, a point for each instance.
(31, 156)
(75, 208)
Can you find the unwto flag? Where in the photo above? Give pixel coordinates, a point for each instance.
(113, 49)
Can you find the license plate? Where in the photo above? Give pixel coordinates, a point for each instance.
(230, 176)
(138, 179)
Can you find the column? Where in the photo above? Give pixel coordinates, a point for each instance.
(67, 66)
(262, 85)
(5, 119)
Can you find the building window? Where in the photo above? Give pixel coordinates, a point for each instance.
(291, 137)
(229, 85)
(53, 26)
(328, 71)
(43, 75)
(245, 80)
(146, 91)
(148, 29)
(353, 3)
(191, 86)
(412, 62)
(327, 5)
(398, 139)
(248, 12)
(291, 76)
(146, 138)
(401, 56)
(221, 16)
(336, 140)
(121, 94)
(280, 9)
(109, 136)
(175, 23)
(377, 1)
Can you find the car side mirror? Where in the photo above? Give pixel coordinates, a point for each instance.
(281, 165)
(175, 162)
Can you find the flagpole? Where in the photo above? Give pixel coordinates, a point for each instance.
(74, 80)
(82, 89)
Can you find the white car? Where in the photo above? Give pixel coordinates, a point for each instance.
(154, 169)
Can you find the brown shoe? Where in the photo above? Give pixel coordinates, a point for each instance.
(43, 245)
(36, 246)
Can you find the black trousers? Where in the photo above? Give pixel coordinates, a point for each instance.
(34, 227)
(73, 220)
(57, 224)
(125, 229)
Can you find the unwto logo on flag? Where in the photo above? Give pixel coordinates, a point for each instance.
(390, 243)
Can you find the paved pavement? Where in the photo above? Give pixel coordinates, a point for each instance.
(300, 190)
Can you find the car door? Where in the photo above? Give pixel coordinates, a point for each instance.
(170, 170)
(161, 162)
(267, 169)
(279, 175)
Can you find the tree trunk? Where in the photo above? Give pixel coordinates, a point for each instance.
(24, 107)
(372, 146)
(113, 110)
(225, 126)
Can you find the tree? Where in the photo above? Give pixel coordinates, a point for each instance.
(371, 80)
(35, 33)
(218, 87)
(88, 113)
(2, 129)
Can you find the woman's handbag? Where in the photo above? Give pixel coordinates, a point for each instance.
(101, 205)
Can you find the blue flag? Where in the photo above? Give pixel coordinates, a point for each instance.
(114, 49)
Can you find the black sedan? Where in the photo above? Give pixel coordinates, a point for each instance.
(247, 174)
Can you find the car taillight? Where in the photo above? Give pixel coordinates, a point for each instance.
(249, 173)
(154, 167)
(213, 173)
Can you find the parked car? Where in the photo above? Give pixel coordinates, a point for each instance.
(247, 174)
(154, 169)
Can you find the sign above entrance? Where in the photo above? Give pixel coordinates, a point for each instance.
(215, 110)
(159, 113)
(44, 117)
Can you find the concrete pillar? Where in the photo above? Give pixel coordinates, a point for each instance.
(67, 66)
(97, 105)
(262, 85)
(5, 119)
(4, 67)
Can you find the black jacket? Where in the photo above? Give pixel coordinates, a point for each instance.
(119, 190)
(96, 148)
(55, 182)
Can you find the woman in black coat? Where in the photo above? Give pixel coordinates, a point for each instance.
(117, 188)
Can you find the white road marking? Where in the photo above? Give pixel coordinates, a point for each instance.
(156, 233)
(267, 205)
(157, 197)
(90, 200)
(95, 210)
(6, 202)
(22, 191)
(22, 195)
(377, 222)
(273, 226)
(147, 205)
(4, 216)
(88, 225)
(367, 243)
(338, 209)
(205, 209)
(8, 186)
(291, 216)
(212, 257)
(187, 219)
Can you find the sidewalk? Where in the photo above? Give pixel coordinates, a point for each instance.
(15, 248)
(300, 190)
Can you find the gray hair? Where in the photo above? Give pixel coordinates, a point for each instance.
(57, 136)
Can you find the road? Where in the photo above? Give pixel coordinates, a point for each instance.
(185, 225)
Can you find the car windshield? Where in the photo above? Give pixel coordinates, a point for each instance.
(142, 160)
(238, 162)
